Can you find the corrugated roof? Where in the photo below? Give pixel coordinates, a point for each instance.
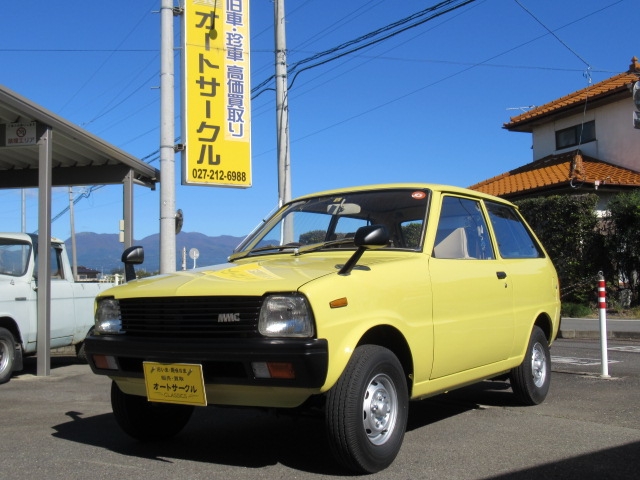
(571, 168)
(78, 157)
(598, 91)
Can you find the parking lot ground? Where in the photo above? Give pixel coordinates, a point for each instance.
(61, 426)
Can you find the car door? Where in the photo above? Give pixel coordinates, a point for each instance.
(63, 319)
(472, 293)
(17, 294)
(534, 282)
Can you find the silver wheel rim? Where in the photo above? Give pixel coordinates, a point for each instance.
(538, 365)
(380, 409)
(4, 355)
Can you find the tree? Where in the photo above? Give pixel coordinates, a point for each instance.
(411, 233)
(623, 239)
(314, 236)
(567, 225)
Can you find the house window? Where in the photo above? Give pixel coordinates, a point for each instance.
(576, 135)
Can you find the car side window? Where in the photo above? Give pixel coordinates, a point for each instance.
(462, 231)
(55, 258)
(513, 237)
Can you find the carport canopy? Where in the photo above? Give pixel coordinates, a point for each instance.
(39, 149)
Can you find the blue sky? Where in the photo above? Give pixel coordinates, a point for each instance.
(427, 105)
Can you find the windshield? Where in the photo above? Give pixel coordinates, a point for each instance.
(334, 219)
(14, 257)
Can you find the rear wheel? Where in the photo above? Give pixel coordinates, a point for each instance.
(366, 411)
(144, 420)
(7, 354)
(531, 379)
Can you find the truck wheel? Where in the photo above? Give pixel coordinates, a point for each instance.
(366, 410)
(144, 420)
(530, 380)
(7, 354)
(81, 353)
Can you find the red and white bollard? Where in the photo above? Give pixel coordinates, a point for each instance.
(602, 306)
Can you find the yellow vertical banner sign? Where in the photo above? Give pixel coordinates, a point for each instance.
(216, 94)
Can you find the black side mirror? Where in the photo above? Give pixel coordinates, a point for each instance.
(130, 257)
(370, 237)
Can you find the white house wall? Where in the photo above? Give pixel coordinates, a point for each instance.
(618, 142)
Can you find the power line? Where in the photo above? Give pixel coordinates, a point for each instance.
(366, 40)
(92, 76)
(551, 32)
(435, 82)
(78, 50)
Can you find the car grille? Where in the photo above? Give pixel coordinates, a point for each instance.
(191, 317)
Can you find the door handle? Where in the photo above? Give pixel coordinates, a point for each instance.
(501, 275)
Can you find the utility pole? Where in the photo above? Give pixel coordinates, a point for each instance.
(282, 116)
(74, 255)
(167, 135)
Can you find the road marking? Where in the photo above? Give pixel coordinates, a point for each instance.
(626, 348)
(579, 361)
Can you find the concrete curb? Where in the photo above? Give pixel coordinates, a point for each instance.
(70, 350)
(595, 335)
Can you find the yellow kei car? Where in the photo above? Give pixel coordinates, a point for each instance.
(353, 300)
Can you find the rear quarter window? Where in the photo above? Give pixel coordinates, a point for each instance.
(513, 237)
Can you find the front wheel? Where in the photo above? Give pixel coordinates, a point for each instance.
(81, 352)
(366, 410)
(144, 420)
(7, 354)
(531, 379)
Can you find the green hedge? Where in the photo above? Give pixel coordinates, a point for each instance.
(581, 244)
(567, 227)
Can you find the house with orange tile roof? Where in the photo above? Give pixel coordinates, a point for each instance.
(584, 142)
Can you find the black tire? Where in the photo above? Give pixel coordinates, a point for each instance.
(7, 355)
(81, 353)
(367, 409)
(146, 421)
(531, 379)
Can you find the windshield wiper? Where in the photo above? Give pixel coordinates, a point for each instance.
(266, 248)
(318, 246)
(298, 249)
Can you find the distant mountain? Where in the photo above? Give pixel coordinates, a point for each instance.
(102, 251)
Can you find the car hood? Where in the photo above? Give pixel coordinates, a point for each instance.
(254, 276)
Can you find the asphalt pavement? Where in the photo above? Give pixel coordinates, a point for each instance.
(61, 426)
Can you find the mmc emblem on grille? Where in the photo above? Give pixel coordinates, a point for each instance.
(228, 317)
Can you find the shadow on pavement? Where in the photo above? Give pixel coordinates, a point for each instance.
(611, 463)
(235, 437)
(254, 439)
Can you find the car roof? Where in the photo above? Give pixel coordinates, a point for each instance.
(409, 186)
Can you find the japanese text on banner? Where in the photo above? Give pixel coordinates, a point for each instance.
(217, 94)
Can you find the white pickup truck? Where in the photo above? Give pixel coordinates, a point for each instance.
(71, 301)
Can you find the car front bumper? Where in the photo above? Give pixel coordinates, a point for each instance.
(224, 361)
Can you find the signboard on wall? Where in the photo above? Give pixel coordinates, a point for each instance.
(216, 94)
(20, 134)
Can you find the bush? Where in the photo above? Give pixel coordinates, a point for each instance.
(581, 245)
(623, 240)
(575, 310)
(567, 225)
